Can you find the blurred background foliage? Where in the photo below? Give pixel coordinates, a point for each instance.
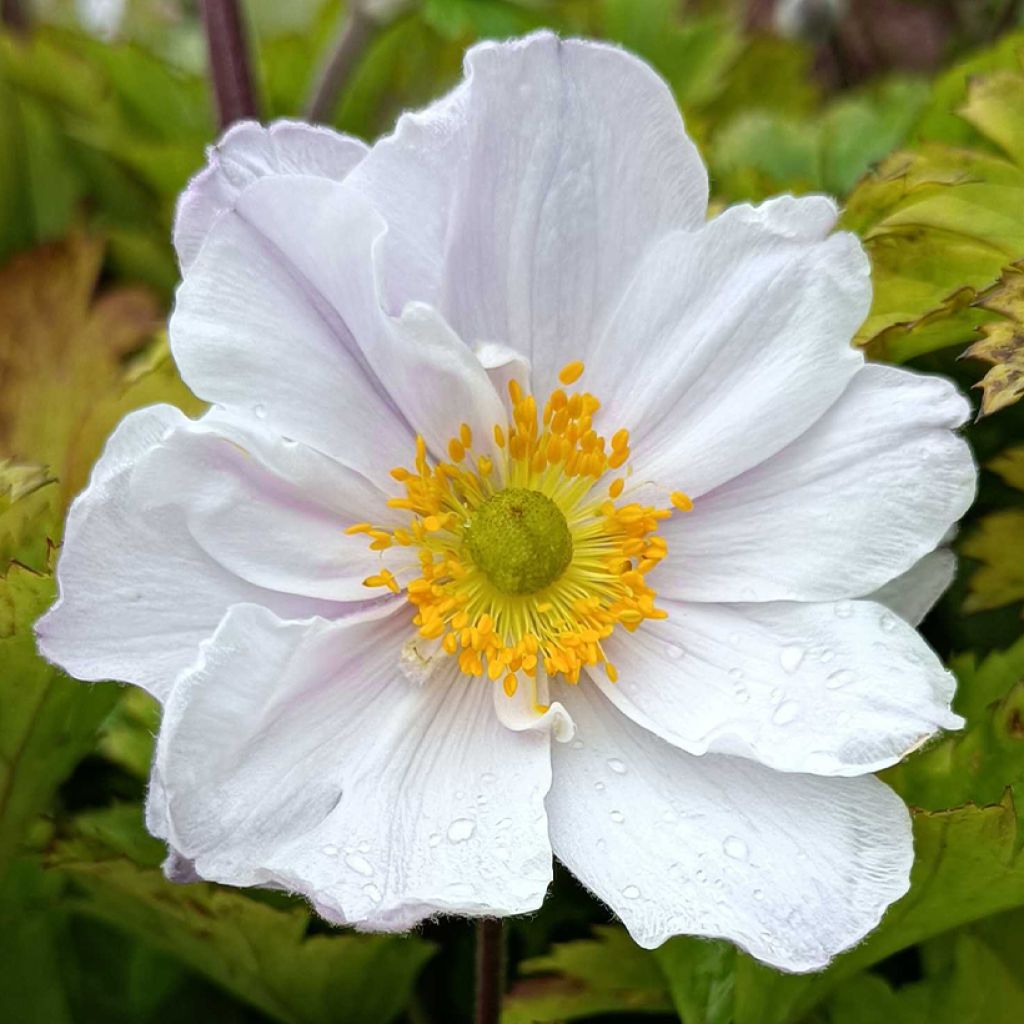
(911, 112)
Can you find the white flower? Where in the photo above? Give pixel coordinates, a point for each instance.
(347, 311)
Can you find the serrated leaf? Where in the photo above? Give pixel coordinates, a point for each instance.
(48, 721)
(258, 952)
(606, 974)
(1010, 466)
(1003, 342)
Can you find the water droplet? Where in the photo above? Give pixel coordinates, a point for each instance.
(674, 651)
(776, 693)
(887, 622)
(759, 894)
(481, 798)
(786, 712)
(616, 766)
(363, 847)
(791, 656)
(844, 609)
(488, 779)
(742, 694)
(504, 823)
(617, 816)
(701, 875)
(435, 839)
(259, 411)
(372, 892)
(330, 850)
(826, 655)
(577, 744)
(360, 865)
(599, 786)
(669, 817)
(460, 830)
(839, 679)
(631, 892)
(735, 673)
(735, 847)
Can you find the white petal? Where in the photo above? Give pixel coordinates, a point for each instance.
(732, 340)
(297, 754)
(913, 595)
(520, 203)
(827, 689)
(271, 511)
(246, 153)
(868, 490)
(303, 336)
(531, 707)
(793, 868)
(137, 592)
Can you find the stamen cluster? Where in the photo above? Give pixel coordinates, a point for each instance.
(562, 625)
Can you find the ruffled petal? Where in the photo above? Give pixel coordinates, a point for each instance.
(792, 868)
(247, 152)
(298, 755)
(732, 340)
(520, 203)
(866, 492)
(825, 689)
(280, 316)
(138, 591)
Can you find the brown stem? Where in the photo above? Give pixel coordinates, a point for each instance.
(228, 54)
(14, 16)
(353, 38)
(490, 970)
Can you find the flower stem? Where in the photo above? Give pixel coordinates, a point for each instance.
(490, 970)
(354, 36)
(228, 53)
(14, 16)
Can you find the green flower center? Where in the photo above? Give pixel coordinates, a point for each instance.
(520, 540)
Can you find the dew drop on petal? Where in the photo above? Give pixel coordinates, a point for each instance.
(786, 712)
(504, 823)
(839, 679)
(844, 609)
(736, 848)
(372, 892)
(259, 411)
(631, 892)
(330, 850)
(617, 816)
(359, 864)
(735, 673)
(599, 786)
(616, 766)
(826, 655)
(488, 779)
(435, 839)
(460, 830)
(577, 744)
(674, 651)
(791, 656)
(759, 894)
(887, 622)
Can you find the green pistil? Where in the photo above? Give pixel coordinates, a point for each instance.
(520, 540)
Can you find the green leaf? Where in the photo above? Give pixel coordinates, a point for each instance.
(48, 721)
(260, 953)
(997, 542)
(1003, 344)
(606, 974)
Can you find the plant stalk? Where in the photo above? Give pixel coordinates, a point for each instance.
(490, 970)
(230, 69)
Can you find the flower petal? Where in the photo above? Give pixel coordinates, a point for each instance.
(839, 689)
(520, 203)
(734, 340)
(280, 313)
(866, 492)
(137, 592)
(271, 511)
(913, 595)
(248, 151)
(297, 754)
(792, 868)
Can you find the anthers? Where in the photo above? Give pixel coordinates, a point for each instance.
(528, 558)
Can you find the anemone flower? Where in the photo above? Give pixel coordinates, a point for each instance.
(534, 515)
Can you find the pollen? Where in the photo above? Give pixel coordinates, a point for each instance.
(529, 555)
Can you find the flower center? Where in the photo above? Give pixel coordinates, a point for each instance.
(520, 540)
(528, 560)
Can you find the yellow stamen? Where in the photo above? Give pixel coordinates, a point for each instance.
(571, 372)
